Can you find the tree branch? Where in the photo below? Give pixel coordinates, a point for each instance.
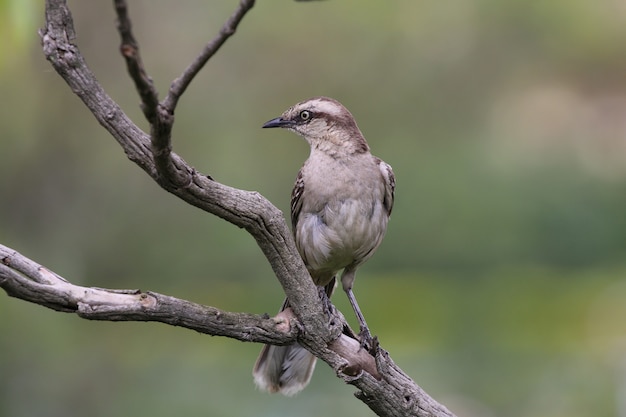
(23, 278)
(161, 115)
(384, 387)
(130, 51)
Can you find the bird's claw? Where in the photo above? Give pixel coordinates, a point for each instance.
(368, 342)
(328, 306)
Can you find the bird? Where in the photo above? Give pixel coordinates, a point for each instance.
(340, 206)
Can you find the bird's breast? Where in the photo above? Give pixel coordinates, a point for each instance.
(343, 232)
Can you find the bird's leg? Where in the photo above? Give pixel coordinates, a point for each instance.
(324, 292)
(365, 337)
(328, 306)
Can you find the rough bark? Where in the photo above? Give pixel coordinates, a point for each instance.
(383, 386)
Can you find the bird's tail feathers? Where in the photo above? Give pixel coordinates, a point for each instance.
(283, 369)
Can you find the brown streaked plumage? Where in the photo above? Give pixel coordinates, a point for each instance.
(340, 206)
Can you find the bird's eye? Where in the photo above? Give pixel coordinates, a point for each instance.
(305, 115)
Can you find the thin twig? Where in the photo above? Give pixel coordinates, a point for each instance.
(171, 175)
(130, 51)
(161, 119)
(180, 84)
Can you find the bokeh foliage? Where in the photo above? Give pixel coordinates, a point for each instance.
(500, 286)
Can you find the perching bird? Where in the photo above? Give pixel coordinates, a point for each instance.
(340, 206)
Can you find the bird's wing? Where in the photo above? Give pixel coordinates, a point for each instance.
(390, 184)
(296, 199)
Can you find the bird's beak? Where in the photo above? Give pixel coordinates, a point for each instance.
(278, 122)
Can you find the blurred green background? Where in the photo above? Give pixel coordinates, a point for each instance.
(500, 287)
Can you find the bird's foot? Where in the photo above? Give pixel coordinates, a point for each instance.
(368, 342)
(328, 306)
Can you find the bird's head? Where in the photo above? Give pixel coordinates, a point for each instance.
(324, 123)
